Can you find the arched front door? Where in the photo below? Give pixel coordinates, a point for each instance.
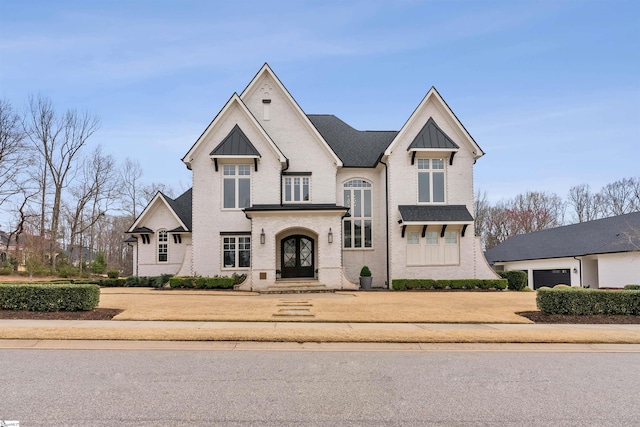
(297, 256)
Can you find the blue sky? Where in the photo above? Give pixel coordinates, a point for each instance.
(549, 89)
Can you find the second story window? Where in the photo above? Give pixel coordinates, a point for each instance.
(297, 189)
(357, 231)
(237, 186)
(431, 186)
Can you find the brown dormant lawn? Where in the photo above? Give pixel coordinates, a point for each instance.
(330, 313)
(376, 307)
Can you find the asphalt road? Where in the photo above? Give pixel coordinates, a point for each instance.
(293, 388)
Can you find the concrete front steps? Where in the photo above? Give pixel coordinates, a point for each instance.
(296, 287)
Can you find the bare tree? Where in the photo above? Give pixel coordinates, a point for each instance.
(58, 140)
(525, 213)
(130, 175)
(12, 151)
(585, 204)
(535, 211)
(149, 191)
(94, 193)
(621, 197)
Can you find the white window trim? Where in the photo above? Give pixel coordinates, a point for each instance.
(301, 185)
(362, 218)
(163, 242)
(236, 178)
(430, 171)
(237, 252)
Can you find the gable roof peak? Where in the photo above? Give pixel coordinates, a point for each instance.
(266, 69)
(235, 143)
(433, 94)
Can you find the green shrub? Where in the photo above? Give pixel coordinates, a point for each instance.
(238, 278)
(632, 288)
(365, 272)
(408, 284)
(99, 265)
(182, 282)
(66, 271)
(113, 274)
(517, 280)
(588, 301)
(201, 282)
(49, 297)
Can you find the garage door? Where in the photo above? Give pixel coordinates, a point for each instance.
(551, 278)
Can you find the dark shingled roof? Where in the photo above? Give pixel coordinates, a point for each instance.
(235, 144)
(142, 230)
(431, 136)
(429, 213)
(608, 235)
(182, 207)
(360, 149)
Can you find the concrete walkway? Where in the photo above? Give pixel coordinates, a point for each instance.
(311, 346)
(132, 324)
(408, 336)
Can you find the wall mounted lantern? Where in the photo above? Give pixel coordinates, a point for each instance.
(330, 235)
(262, 237)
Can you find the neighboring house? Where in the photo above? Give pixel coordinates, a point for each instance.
(604, 253)
(277, 190)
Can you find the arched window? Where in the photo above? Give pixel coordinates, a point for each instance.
(163, 246)
(357, 227)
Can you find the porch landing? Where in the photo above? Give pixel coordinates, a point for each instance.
(296, 286)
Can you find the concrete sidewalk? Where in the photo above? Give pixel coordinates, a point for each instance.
(310, 346)
(317, 332)
(188, 325)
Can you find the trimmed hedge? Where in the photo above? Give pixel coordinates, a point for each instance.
(49, 297)
(588, 301)
(632, 288)
(129, 282)
(470, 284)
(202, 282)
(517, 279)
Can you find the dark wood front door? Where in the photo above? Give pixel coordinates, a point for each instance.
(297, 256)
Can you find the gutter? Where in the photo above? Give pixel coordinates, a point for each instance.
(281, 171)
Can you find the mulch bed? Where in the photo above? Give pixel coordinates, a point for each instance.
(538, 317)
(95, 314)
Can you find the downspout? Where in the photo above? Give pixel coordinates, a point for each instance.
(580, 261)
(282, 170)
(386, 196)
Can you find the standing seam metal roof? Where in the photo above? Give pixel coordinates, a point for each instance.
(431, 136)
(235, 143)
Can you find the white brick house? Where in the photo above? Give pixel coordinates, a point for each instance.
(275, 189)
